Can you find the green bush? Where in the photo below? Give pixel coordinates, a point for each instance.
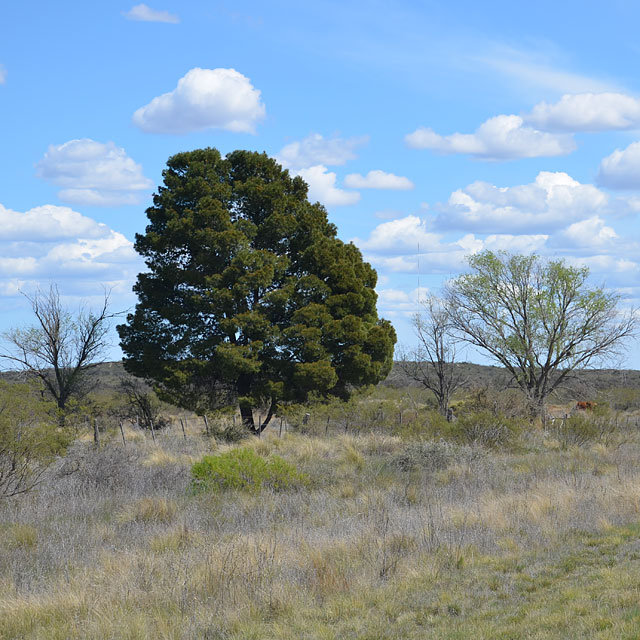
(420, 425)
(243, 469)
(30, 438)
(582, 429)
(622, 398)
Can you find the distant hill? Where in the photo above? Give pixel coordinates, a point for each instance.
(106, 377)
(478, 375)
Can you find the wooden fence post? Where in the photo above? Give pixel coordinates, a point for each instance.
(96, 433)
(124, 442)
(183, 431)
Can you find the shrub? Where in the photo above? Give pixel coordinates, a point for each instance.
(579, 430)
(432, 455)
(245, 470)
(484, 428)
(623, 398)
(30, 438)
(420, 425)
(225, 430)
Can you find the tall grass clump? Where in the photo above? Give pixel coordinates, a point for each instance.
(243, 469)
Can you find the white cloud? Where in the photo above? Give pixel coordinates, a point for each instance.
(400, 254)
(397, 302)
(587, 112)
(57, 244)
(377, 179)
(502, 137)
(525, 244)
(204, 99)
(93, 173)
(589, 234)
(143, 13)
(3, 74)
(616, 270)
(322, 187)
(315, 149)
(552, 201)
(401, 236)
(621, 170)
(48, 223)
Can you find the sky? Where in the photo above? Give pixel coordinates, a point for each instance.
(429, 130)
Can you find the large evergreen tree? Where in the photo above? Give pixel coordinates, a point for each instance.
(250, 298)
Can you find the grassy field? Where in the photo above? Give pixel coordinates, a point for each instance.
(392, 532)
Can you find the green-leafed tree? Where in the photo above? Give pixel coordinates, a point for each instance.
(540, 319)
(249, 298)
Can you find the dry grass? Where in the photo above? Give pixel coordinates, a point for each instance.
(392, 539)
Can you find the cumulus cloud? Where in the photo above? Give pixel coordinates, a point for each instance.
(93, 173)
(51, 243)
(48, 223)
(590, 233)
(587, 112)
(502, 137)
(550, 202)
(204, 99)
(143, 13)
(402, 236)
(3, 74)
(621, 170)
(322, 187)
(378, 180)
(315, 150)
(400, 253)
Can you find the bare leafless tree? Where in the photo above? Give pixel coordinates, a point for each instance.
(59, 347)
(142, 404)
(432, 362)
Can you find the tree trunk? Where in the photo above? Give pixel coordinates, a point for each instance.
(249, 422)
(247, 418)
(536, 406)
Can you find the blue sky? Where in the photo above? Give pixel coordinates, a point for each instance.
(429, 130)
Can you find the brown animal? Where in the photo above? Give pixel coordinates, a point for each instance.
(586, 406)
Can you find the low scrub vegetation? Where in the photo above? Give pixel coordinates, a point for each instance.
(372, 519)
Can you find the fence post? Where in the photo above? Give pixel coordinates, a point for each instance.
(183, 431)
(124, 442)
(96, 433)
(206, 424)
(153, 431)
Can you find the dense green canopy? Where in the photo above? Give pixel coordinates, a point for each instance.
(250, 297)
